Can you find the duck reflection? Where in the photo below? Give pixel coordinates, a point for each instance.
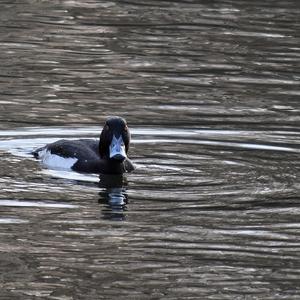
(113, 197)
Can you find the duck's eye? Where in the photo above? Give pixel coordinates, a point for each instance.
(106, 127)
(126, 128)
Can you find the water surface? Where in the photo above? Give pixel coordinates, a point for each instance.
(210, 90)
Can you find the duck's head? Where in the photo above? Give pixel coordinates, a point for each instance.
(114, 139)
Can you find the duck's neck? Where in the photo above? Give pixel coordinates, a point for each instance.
(113, 166)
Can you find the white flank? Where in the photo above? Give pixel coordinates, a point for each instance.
(54, 161)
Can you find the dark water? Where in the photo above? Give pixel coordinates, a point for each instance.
(210, 90)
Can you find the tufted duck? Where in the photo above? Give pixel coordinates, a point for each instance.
(107, 156)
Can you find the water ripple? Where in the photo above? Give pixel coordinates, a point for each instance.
(211, 92)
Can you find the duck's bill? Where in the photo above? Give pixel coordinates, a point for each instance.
(117, 149)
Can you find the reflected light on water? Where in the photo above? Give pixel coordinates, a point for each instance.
(210, 90)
